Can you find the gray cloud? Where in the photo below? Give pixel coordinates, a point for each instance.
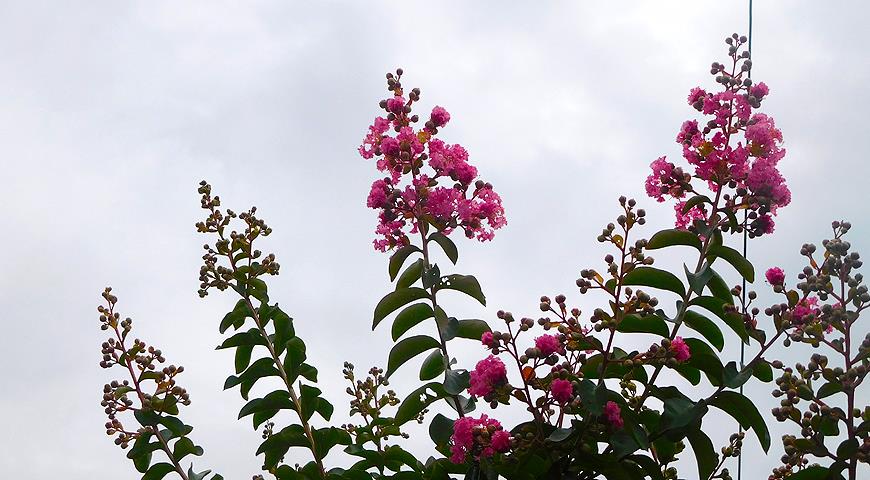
(114, 111)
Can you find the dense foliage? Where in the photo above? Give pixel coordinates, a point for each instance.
(594, 409)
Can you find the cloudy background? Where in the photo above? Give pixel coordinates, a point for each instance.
(113, 111)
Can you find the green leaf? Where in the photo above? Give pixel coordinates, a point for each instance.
(184, 447)
(249, 338)
(643, 324)
(466, 284)
(191, 475)
(417, 400)
(695, 201)
(141, 451)
(733, 377)
(847, 448)
(433, 365)
(716, 306)
(267, 406)
(738, 261)
(762, 371)
(398, 259)
(744, 411)
(312, 402)
(667, 238)
(472, 328)
(257, 288)
(261, 368)
(720, 289)
(395, 453)
(813, 472)
(622, 443)
(560, 434)
(308, 372)
(410, 317)
(679, 413)
(158, 471)
(410, 275)
(705, 327)
(697, 281)
(395, 300)
(593, 396)
(294, 357)
(447, 245)
(431, 276)
(456, 381)
(237, 317)
(278, 443)
(408, 349)
(692, 374)
(829, 389)
(827, 426)
(284, 330)
(440, 430)
(243, 357)
(653, 277)
(705, 453)
(652, 469)
(705, 359)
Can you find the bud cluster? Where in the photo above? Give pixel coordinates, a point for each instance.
(368, 402)
(630, 255)
(236, 247)
(140, 361)
(823, 311)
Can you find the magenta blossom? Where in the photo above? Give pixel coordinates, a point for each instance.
(613, 414)
(487, 339)
(489, 374)
(735, 147)
(468, 437)
(775, 276)
(680, 350)
(396, 105)
(548, 344)
(501, 441)
(684, 220)
(805, 308)
(439, 117)
(666, 179)
(562, 390)
(448, 198)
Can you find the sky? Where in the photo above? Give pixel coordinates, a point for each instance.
(114, 111)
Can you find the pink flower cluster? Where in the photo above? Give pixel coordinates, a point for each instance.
(402, 152)
(775, 276)
(748, 165)
(480, 437)
(680, 350)
(697, 212)
(548, 345)
(562, 390)
(802, 312)
(804, 308)
(489, 374)
(613, 414)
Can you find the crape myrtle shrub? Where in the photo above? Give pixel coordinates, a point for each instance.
(594, 410)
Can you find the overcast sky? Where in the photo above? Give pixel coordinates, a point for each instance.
(113, 111)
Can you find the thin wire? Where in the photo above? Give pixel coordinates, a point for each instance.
(743, 291)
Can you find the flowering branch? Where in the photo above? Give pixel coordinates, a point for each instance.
(246, 266)
(157, 409)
